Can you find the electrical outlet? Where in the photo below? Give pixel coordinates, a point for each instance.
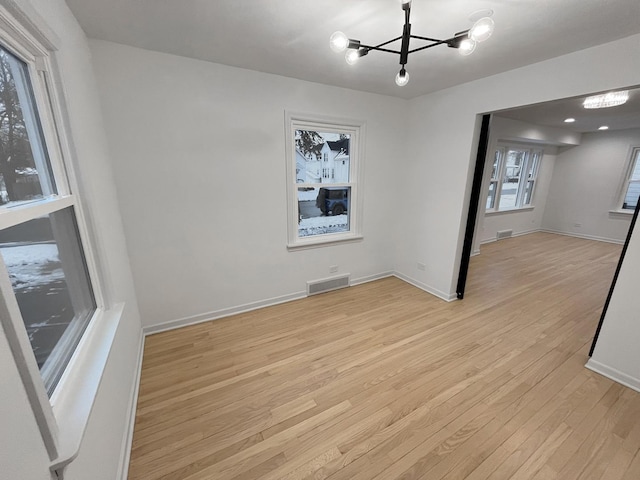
(333, 269)
(422, 266)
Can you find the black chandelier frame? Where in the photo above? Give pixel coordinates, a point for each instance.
(464, 40)
(453, 42)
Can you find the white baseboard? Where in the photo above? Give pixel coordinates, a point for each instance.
(217, 314)
(487, 240)
(125, 454)
(447, 297)
(515, 234)
(614, 374)
(371, 278)
(227, 312)
(585, 237)
(558, 232)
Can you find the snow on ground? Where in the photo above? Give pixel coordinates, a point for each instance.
(32, 265)
(306, 195)
(322, 225)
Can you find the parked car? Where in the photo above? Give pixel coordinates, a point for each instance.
(333, 200)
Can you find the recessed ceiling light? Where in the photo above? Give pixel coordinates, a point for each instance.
(603, 127)
(569, 120)
(606, 100)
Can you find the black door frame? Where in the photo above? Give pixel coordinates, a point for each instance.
(472, 215)
(615, 279)
(474, 202)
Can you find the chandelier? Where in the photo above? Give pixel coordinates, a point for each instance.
(464, 41)
(611, 99)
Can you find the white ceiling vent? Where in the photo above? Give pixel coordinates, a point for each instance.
(327, 284)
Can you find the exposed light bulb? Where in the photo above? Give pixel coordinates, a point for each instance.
(603, 127)
(352, 56)
(467, 46)
(402, 78)
(569, 120)
(482, 29)
(338, 42)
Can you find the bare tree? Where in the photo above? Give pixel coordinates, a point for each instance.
(309, 143)
(15, 151)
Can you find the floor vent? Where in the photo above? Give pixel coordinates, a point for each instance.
(503, 234)
(326, 285)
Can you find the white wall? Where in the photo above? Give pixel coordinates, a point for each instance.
(21, 447)
(199, 156)
(527, 220)
(437, 173)
(617, 354)
(586, 185)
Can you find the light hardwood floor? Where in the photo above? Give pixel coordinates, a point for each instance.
(383, 381)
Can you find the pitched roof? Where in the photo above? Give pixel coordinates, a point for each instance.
(339, 145)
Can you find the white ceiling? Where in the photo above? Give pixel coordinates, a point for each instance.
(291, 38)
(553, 114)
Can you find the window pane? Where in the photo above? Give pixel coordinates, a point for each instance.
(322, 157)
(631, 198)
(496, 163)
(25, 172)
(511, 182)
(533, 164)
(528, 191)
(323, 210)
(491, 198)
(46, 266)
(635, 174)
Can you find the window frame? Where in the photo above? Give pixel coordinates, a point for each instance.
(62, 416)
(634, 158)
(534, 154)
(356, 128)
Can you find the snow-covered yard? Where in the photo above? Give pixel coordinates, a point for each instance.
(39, 283)
(322, 225)
(32, 265)
(307, 195)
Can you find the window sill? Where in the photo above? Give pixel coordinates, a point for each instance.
(490, 213)
(324, 242)
(75, 394)
(621, 213)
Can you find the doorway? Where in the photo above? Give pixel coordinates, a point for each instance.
(554, 193)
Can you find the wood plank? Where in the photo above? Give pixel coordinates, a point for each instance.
(384, 381)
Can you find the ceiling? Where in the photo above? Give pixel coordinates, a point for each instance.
(291, 38)
(554, 113)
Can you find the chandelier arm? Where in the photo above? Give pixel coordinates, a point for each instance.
(427, 38)
(389, 41)
(369, 47)
(435, 44)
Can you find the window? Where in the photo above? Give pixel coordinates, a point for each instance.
(631, 187)
(513, 177)
(323, 208)
(40, 248)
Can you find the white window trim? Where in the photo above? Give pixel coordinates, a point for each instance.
(634, 151)
(295, 121)
(62, 419)
(505, 146)
(525, 208)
